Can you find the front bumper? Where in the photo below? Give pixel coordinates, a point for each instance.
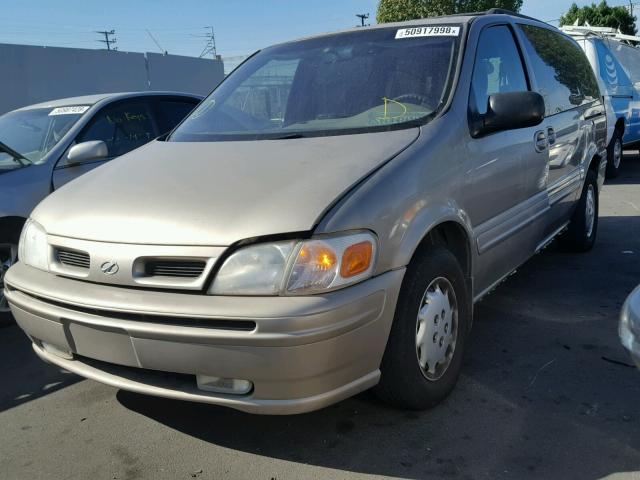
(301, 353)
(629, 327)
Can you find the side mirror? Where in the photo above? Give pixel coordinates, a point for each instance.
(636, 85)
(87, 152)
(509, 111)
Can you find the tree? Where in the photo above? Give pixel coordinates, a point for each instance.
(401, 10)
(601, 15)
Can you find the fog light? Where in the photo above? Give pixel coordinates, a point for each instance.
(224, 385)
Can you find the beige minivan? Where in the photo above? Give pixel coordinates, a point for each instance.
(324, 221)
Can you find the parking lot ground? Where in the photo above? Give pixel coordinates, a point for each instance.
(546, 392)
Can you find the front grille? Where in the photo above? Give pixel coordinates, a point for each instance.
(73, 258)
(174, 268)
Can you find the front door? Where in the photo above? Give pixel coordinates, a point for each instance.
(500, 199)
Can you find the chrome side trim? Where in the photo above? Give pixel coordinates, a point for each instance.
(544, 243)
(565, 186)
(493, 286)
(508, 223)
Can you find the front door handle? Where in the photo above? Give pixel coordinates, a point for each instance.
(541, 141)
(551, 135)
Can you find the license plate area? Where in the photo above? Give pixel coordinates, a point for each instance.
(108, 344)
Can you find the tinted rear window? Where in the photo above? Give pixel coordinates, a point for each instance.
(563, 73)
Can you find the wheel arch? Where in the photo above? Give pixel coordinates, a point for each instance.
(11, 226)
(455, 236)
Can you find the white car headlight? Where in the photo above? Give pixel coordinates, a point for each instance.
(255, 270)
(33, 249)
(297, 267)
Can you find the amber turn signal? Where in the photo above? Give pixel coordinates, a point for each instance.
(356, 259)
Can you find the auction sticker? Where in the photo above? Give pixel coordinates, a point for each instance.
(432, 31)
(71, 110)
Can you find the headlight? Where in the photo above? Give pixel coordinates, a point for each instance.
(255, 270)
(297, 267)
(33, 249)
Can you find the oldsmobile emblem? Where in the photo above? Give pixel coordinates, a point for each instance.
(109, 268)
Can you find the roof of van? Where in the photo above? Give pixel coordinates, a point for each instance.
(92, 99)
(454, 18)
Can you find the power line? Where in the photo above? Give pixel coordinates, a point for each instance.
(107, 38)
(162, 50)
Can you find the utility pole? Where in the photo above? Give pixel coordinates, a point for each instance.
(107, 38)
(362, 17)
(210, 47)
(632, 6)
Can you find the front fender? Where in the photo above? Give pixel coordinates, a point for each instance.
(406, 198)
(416, 226)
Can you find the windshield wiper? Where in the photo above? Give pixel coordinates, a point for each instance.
(21, 159)
(289, 136)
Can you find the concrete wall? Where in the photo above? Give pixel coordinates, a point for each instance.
(32, 74)
(190, 74)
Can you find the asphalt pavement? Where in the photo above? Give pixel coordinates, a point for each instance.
(546, 392)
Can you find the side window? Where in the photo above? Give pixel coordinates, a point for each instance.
(171, 113)
(497, 69)
(122, 127)
(563, 73)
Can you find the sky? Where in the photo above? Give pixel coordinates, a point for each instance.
(240, 26)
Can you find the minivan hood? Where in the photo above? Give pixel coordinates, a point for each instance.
(216, 193)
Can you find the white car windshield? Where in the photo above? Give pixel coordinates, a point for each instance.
(370, 80)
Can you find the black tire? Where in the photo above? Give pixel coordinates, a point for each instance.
(614, 155)
(403, 382)
(8, 256)
(578, 237)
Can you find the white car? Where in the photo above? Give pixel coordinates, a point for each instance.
(617, 67)
(629, 329)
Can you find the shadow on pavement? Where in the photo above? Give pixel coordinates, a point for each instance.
(24, 376)
(545, 391)
(629, 170)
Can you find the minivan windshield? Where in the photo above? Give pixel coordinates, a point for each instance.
(369, 80)
(34, 132)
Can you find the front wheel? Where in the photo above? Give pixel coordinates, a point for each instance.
(583, 228)
(423, 357)
(8, 256)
